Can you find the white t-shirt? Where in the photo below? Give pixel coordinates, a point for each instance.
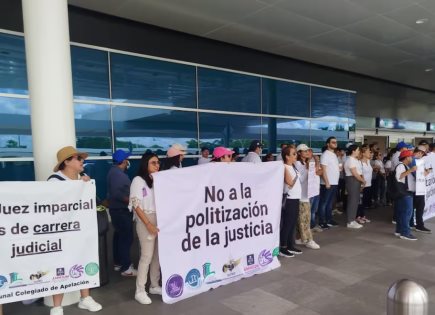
(352, 162)
(380, 165)
(141, 196)
(388, 165)
(330, 160)
(367, 171)
(203, 160)
(395, 160)
(252, 157)
(411, 180)
(294, 192)
(303, 177)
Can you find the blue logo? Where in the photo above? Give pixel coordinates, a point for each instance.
(193, 279)
(3, 282)
(265, 257)
(250, 260)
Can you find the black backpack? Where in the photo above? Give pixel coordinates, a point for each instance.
(395, 188)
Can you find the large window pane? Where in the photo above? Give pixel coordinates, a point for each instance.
(322, 130)
(228, 91)
(232, 131)
(90, 73)
(276, 131)
(329, 104)
(93, 129)
(142, 129)
(13, 75)
(17, 171)
(15, 131)
(285, 98)
(154, 82)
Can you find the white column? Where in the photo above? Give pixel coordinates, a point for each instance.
(50, 80)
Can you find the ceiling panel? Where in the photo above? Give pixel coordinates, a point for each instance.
(409, 15)
(382, 6)
(272, 20)
(428, 5)
(419, 45)
(382, 30)
(335, 12)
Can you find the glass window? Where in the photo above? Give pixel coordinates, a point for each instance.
(285, 98)
(228, 91)
(17, 171)
(15, 130)
(322, 130)
(276, 131)
(93, 129)
(90, 73)
(153, 82)
(352, 105)
(141, 129)
(329, 104)
(233, 131)
(13, 75)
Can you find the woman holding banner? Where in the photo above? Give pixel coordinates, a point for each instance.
(304, 231)
(69, 167)
(143, 205)
(290, 211)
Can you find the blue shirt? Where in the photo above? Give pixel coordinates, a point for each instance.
(118, 188)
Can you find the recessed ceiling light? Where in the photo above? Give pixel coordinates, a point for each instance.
(428, 69)
(422, 21)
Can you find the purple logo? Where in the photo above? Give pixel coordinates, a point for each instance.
(76, 271)
(174, 286)
(265, 257)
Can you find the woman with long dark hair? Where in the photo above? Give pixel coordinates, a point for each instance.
(143, 205)
(175, 156)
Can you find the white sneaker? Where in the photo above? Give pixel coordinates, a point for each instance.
(336, 211)
(311, 244)
(317, 228)
(130, 272)
(88, 303)
(58, 310)
(117, 267)
(156, 290)
(142, 298)
(354, 225)
(396, 234)
(299, 242)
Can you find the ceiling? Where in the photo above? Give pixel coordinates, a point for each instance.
(379, 38)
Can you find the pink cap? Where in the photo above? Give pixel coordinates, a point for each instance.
(176, 149)
(221, 151)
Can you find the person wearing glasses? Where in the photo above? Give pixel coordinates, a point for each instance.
(70, 167)
(328, 183)
(143, 206)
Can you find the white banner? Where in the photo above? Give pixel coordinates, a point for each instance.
(429, 210)
(219, 222)
(420, 179)
(48, 238)
(313, 181)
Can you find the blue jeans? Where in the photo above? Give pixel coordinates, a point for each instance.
(314, 202)
(404, 213)
(325, 203)
(122, 221)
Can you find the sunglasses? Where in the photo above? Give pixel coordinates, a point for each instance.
(79, 158)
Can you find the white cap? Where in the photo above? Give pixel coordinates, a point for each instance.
(302, 147)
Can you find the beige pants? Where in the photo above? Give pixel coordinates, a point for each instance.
(304, 221)
(149, 255)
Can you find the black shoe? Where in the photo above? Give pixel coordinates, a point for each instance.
(423, 230)
(295, 251)
(283, 252)
(324, 226)
(332, 223)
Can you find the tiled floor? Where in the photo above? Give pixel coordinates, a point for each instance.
(350, 274)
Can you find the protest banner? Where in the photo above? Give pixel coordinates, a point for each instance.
(48, 238)
(429, 210)
(219, 222)
(420, 180)
(313, 181)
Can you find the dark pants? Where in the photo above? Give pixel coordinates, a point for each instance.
(325, 204)
(379, 188)
(314, 203)
(366, 201)
(289, 218)
(419, 204)
(404, 213)
(122, 220)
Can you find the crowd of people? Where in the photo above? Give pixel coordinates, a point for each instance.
(356, 178)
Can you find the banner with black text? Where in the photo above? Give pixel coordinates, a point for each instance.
(48, 238)
(219, 222)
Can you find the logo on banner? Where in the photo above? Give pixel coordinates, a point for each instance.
(76, 271)
(92, 269)
(229, 266)
(265, 257)
(209, 276)
(193, 279)
(3, 282)
(174, 286)
(275, 252)
(38, 276)
(250, 259)
(60, 272)
(16, 280)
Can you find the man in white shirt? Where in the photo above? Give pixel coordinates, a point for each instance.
(253, 155)
(328, 183)
(205, 152)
